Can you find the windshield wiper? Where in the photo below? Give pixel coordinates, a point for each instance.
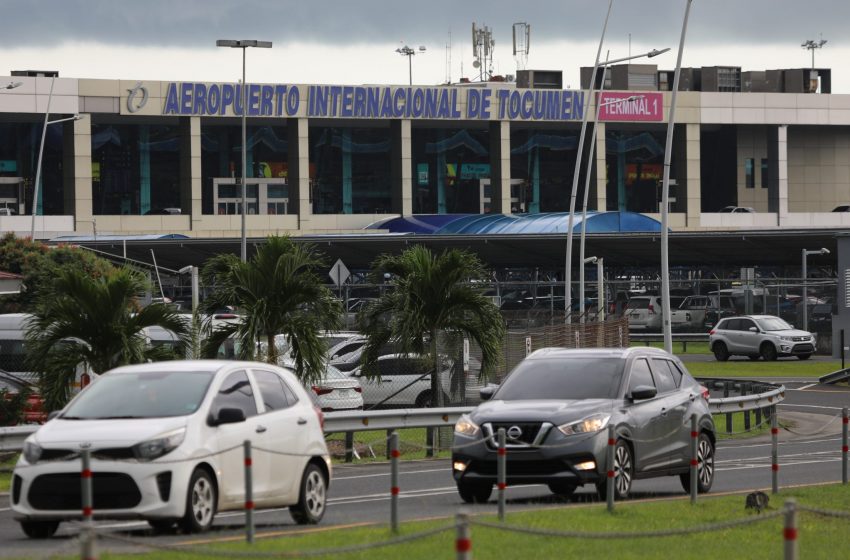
(127, 417)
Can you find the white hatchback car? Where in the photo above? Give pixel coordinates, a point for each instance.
(166, 442)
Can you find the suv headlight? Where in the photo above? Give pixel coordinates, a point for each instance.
(466, 426)
(32, 452)
(155, 448)
(787, 338)
(592, 423)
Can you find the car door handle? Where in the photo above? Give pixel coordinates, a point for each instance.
(302, 421)
(260, 429)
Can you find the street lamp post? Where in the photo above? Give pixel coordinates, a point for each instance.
(244, 44)
(600, 285)
(47, 121)
(806, 253)
(409, 52)
(665, 195)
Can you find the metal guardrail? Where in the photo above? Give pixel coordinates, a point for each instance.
(761, 395)
(677, 337)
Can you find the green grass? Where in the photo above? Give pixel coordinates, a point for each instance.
(679, 348)
(372, 445)
(6, 477)
(738, 426)
(779, 368)
(819, 537)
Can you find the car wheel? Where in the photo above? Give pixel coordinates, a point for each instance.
(39, 529)
(474, 492)
(754, 358)
(564, 489)
(312, 498)
(201, 503)
(804, 356)
(768, 352)
(423, 400)
(162, 525)
(705, 466)
(721, 353)
(623, 473)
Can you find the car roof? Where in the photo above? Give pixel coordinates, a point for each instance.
(211, 366)
(623, 353)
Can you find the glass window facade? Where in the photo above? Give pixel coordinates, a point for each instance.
(350, 170)
(635, 167)
(135, 169)
(19, 144)
(750, 172)
(267, 158)
(451, 170)
(542, 165)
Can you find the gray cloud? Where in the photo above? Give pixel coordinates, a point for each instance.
(197, 23)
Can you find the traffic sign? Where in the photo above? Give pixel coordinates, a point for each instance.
(339, 273)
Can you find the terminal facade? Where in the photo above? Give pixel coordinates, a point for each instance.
(148, 157)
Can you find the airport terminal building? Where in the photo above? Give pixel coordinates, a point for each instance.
(148, 157)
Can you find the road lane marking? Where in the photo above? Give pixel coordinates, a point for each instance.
(810, 406)
(804, 387)
(338, 478)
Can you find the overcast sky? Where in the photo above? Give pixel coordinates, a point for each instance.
(354, 41)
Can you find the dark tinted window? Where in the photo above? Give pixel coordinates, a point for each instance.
(745, 324)
(638, 303)
(663, 375)
(640, 375)
(271, 390)
(730, 325)
(236, 392)
(677, 373)
(572, 378)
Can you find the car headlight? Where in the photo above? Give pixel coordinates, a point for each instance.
(32, 452)
(466, 426)
(155, 448)
(592, 423)
(787, 338)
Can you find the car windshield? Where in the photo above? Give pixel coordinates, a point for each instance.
(153, 394)
(563, 379)
(333, 373)
(773, 324)
(638, 303)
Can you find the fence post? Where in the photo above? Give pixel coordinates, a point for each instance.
(463, 542)
(790, 530)
(609, 488)
(774, 453)
(744, 391)
(394, 489)
(501, 471)
(728, 414)
(430, 443)
(694, 458)
(349, 447)
(249, 493)
(844, 422)
(87, 542)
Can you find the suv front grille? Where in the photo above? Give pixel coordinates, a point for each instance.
(61, 491)
(531, 433)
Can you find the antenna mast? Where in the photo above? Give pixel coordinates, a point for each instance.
(482, 49)
(522, 40)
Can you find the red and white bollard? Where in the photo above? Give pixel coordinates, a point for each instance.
(501, 471)
(694, 458)
(394, 489)
(844, 422)
(609, 488)
(249, 493)
(87, 551)
(790, 530)
(463, 542)
(774, 451)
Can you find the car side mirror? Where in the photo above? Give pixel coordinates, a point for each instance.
(486, 392)
(227, 416)
(643, 392)
(754, 329)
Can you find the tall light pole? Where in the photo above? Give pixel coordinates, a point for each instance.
(244, 44)
(47, 121)
(568, 307)
(600, 285)
(806, 253)
(811, 45)
(665, 194)
(409, 52)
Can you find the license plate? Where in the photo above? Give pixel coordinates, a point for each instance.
(345, 393)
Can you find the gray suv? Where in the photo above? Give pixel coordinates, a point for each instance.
(755, 336)
(555, 407)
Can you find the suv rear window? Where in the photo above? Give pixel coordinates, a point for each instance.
(638, 303)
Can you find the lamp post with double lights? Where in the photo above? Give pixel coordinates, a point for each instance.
(244, 44)
(806, 253)
(409, 52)
(571, 219)
(600, 278)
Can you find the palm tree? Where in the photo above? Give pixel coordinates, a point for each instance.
(431, 294)
(94, 323)
(279, 293)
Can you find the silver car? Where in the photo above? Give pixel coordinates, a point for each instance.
(755, 336)
(556, 406)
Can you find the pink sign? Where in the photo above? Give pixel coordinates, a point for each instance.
(635, 106)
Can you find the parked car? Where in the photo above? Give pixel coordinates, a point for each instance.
(338, 391)
(755, 336)
(33, 408)
(693, 312)
(737, 210)
(842, 208)
(556, 416)
(166, 446)
(644, 313)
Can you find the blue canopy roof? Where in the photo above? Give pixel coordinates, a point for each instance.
(112, 237)
(549, 222)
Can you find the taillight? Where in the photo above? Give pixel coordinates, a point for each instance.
(704, 390)
(712, 331)
(319, 390)
(359, 389)
(651, 309)
(321, 416)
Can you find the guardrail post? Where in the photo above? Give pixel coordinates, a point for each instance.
(249, 493)
(463, 542)
(790, 530)
(349, 447)
(774, 453)
(394, 489)
(746, 412)
(694, 458)
(430, 444)
(87, 551)
(844, 422)
(609, 488)
(728, 414)
(501, 471)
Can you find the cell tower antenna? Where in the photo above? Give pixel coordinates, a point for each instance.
(449, 59)
(482, 49)
(522, 40)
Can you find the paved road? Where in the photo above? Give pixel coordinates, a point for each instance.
(360, 492)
